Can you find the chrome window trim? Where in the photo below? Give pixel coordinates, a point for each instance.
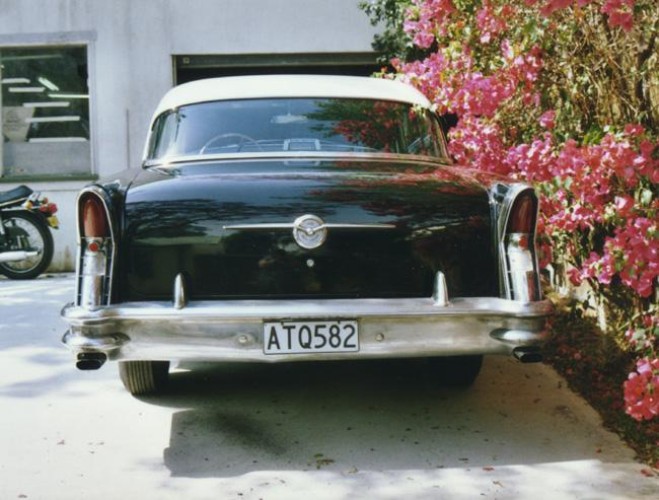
(293, 156)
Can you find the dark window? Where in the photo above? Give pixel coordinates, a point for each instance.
(285, 125)
(45, 111)
(195, 67)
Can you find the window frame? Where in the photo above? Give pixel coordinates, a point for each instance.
(83, 39)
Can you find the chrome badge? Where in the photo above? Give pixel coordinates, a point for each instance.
(309, 231)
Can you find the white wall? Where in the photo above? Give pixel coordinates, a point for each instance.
(131, 44)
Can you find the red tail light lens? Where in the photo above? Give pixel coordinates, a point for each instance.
(94, 218)
(522, 215)
(48, 208)
(96, 251)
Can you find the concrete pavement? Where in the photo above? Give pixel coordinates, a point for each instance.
(377, 430)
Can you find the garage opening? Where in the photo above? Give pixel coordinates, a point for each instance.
(195, 67)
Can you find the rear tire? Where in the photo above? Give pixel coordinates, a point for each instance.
(27, 231)
(457, 371)
(144, 377)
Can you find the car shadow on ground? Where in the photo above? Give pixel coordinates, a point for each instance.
(369, 415)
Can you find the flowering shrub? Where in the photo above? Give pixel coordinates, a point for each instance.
(641, 394)
(379, 126)
(534, 101)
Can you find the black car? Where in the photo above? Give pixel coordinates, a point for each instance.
(285, 218)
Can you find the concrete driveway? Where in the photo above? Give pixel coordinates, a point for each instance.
(378, 430)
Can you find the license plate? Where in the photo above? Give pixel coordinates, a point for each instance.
(298, 337)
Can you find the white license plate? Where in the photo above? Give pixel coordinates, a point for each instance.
(297, 337)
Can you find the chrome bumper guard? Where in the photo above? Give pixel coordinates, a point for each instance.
(233, 330)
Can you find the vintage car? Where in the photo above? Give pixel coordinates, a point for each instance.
(284, 218)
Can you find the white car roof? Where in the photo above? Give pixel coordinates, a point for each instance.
(283, 86)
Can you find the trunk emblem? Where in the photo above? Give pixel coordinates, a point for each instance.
(309, 231)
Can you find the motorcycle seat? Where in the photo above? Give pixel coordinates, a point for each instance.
(14, 195)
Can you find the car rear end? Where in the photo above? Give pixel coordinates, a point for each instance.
(271, 250)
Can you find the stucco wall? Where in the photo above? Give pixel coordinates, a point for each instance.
(131, 44)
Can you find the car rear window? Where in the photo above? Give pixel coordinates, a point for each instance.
(296, 125)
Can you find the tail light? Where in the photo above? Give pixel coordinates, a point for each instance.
(96, 250)
(94, 219)
(521, 270)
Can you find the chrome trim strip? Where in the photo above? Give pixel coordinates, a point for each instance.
(294, 225)
(309, 231)
(172, 161)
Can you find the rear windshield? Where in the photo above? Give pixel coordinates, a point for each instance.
(300, 125)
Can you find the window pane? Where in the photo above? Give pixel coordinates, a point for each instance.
(278, 125)
(45, 111)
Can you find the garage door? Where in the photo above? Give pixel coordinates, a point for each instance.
(194, 67)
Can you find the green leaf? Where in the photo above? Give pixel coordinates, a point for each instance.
(646, 197)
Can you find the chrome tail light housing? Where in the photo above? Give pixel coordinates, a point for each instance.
(96, 249)
(517, 247)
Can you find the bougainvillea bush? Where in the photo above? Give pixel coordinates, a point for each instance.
(563, 94)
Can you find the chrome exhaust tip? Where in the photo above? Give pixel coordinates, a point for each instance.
(90, 360)
(527, 354)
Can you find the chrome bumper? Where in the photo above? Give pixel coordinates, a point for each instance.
(233, 330)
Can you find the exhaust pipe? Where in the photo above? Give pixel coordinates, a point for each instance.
(527, 354)
(17, 255)
(90, 360)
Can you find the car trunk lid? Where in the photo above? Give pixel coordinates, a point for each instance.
(235, 229)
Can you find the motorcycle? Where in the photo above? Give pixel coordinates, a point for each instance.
(26, 244)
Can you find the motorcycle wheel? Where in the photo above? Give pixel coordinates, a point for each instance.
(26, 231)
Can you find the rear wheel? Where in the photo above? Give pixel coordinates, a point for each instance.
(144, 377)
(26, 232)
(457, 371)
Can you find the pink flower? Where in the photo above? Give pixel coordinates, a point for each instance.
(477, 143)
(552, 6)
(634, 129)
(642, 390)
(624, 205)
(426, 19)
(491, 23)
(507, 50)
(620, 13)
(575, 276)
(547, 120)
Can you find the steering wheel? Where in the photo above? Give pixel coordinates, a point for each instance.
(242, 138)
